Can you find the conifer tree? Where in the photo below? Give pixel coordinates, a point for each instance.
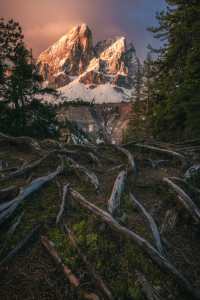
(176, 86)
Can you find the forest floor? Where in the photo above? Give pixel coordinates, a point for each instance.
(32, 274)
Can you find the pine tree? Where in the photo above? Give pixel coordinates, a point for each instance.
(147, 90)
(176, 86)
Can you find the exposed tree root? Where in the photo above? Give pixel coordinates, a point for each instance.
(187, 142)
(168, 152)
(20, 245)
(152, 162)
(192, 209)
(4, 193)
(32, 188)
(89, 265)
(192, 172)
(11, 233)
(150, 223)
(133, 142)
(185, 183)
(170, 221)
(146, 288)
(117, 191)
(95, 160)
(10, 169)
(62, 207)
(84, 173)
(116, 168)
(149, 249)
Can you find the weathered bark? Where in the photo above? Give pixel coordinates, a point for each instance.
(20, 246)
(88, 264)
(192, 209)
(62, 207)
(4, 193)
(117, 191)
(150, 223)
(130, 158)
(168, 152)
(95, 160)
(34, 146)
(50, 247)
(146, 288)
(171, 218)
(192, 172)
(116, 168)
(11, 233)
(84, 173)
(148, 248)
(32, 188)
(133, 142)
(37, 163)
(185, 183)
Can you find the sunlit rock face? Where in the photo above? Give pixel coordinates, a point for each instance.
(112, 61)
(71, 54)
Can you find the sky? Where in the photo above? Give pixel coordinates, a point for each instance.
(43, 22)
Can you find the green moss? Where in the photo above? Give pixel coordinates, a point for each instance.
(142, 229)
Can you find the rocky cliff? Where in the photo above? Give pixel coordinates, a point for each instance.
(73, 58)
(107, 121)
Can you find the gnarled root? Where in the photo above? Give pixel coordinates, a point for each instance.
(62, 207)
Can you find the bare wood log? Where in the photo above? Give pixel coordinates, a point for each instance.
(192, 209)
(50, 247)
(116, 168)
(95, 160)
(148, 248)
(20, 246)
(34, 146)
(150, 223)
(185, 183)
(171, 218)
(62, 207)
(32, 188)
(146, 287)
(117, 191)
(26, 168)
(11, 233)
(88, 264)
(133, 142)
(130, 158)
(84, 173)
(166, 151)
(192, 172)
(6, 192)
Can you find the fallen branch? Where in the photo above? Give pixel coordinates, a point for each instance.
(10, 169)
(11, 233)
(192, 209)
(150, 223)
(26, 168)
(20, 246)
(133, 142)
(148, 248)
(169, 222)
(29, 178)
(84, 173)
(116, 168)
(6, 192)
(50, 247)
(166, 151)
(192, 172)
(62, 207)
(168, 245)
(187, 142)
(32, 188)
(152, 162)
(130, 158)
(95, 160)
(117, 192)
(88, 264)
(146, 288)
(185, 183)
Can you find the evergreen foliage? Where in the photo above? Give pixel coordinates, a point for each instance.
(176, 85)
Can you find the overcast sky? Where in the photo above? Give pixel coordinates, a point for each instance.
(43, 22)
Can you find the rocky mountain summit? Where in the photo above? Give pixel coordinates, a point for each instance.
(74, 63)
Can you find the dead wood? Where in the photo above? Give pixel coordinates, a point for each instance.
(10, 169)
(171, 218)
(116, 168)
(146, 287)
(192, 209)
(95, 160)
(152, 162)
(11, 233)
(117, 191)
(192, 172)
(26, 168)
(150, 223)
(148, 248)
(185, 183)
(130, 158)
(84, 173)
(1, 165)
(20, 246)
(58, 144)
(29, 178)
(62, 206)
(168, 152)
(168, 245)
(88, 264)
(32, 188)
(187, 142)
(133, 142)
(4, 193)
